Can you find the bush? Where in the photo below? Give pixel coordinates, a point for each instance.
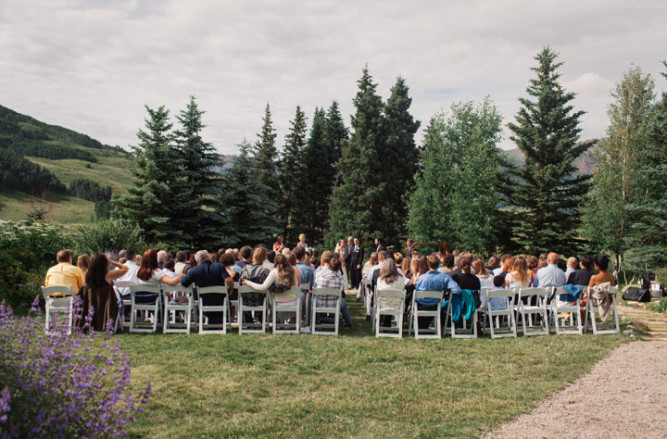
(108, 235)
(57, 386)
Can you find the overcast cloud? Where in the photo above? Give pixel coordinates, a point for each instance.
(92, 65)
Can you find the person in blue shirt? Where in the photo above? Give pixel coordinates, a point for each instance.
(307, 278)
(433, 280)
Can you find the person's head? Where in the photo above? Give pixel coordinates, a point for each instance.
(388, 271)
(97, 270)
(170, 264)
(181, 256)
(201, 256)
(493, 261)
(227, 259)
(380, 257)
(432, 261)
(64, 255)
(378, 241)
(341, 242)
(302, 238)
(280, 239)
(405, 266)
(418, 265)
(541, 263)
(601, 263)
(448, 261)
(508, 263)
(374, 258)
(148, 264)
(334, 262)
(552, 258)
(464, 263)
(543, 256)
(130, 255)
(410, 242)
(479, 267)
(284, 268)
(388, 255)
(585, 262)
(356, 241)
(259, 255)
(532, 262)
(326, 257)
(162, 256)
(572, 262)
(350, 240)
(285, 251)
(398, 258)
(246, 252)
(299, 253)
(83, 262)
(520, 268)
(291, 258)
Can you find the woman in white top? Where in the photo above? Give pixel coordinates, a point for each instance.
(519, 276)
(149, 273)
(485, 279)
(390, 280)
(282, 277)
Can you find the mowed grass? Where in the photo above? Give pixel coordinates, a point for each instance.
(63, 209)
(353, 385)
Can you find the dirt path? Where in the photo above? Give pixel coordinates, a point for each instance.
(624, 396)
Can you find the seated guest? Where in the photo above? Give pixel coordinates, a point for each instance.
(389, 280)
(98, 291)
(131, 275)
(518, 277)
(532, 263)
(571, 267)
(583, 276)
(485, 279)
(494, 262)
(279, 281)
(463, 277)
(501, 266)
(207, 274)
(433, 280)
(307, 276)
(257, 272)
(446, 263)
(329, 276)
(169, 267)
(601, 264)
(246, 253)
(505, 267)
(181, 262)
(150, 274)
(83, 261)
(64, 274)
(551, 275)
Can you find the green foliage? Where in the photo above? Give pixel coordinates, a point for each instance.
(246, 206)
(89, 190)
(292, 173)
(53, 151)
(108, 235)
(545, 194)
(455, 197)
(17, 173)
(265, 157)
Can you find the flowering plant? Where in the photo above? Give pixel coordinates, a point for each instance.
(60, 386)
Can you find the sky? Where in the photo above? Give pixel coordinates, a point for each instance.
(92, 66)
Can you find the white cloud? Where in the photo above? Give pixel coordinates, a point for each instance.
(92, 65)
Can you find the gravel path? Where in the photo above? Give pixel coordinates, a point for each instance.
(624, 396)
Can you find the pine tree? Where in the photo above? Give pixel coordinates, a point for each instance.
(246, 206)
(357, 204)
(607, 218)
(265, 156)
(196, 190)
(335, 133)
(291, 172)
(546, 192)
(400, 157)
(148, 202)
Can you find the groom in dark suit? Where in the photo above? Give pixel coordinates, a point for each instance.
(356, 259)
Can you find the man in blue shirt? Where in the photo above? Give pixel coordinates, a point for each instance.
(433, 280)
(207, 274)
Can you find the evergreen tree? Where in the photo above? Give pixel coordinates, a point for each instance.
(607, 218)
(357, 205)
(335, 133)
(429, 206)
(648, 235)
(546, 193)
(291, 173)
(265, 156)
(399, 156)
(199, 186)
(316, 184)
(148, 202)
(245, 205)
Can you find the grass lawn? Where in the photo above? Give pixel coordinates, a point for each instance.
(63, 209)
(353, 385)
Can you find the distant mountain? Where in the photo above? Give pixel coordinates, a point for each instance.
(585, 163)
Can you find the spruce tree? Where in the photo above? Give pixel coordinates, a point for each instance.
(265, 156)
(399, 156)
(336, 133)
(546, 192)
(246, 206)
(197, 188)
(357, 206)
(148, 202)
(616, 182)
(291, 172)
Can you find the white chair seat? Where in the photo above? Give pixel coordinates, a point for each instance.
(58, 300)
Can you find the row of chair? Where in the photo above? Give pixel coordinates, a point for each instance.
(534, 307)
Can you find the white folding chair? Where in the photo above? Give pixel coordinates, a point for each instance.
(249, 327)
(435, 332)
(290, 307)
(389, 309)
(569, 310)
(58, 300)
(145, 302)
(173, 309)
(213, 292)
(325, 328)
(305, 297)
(469, 327)
(532, 306)
(593, 314)
(500, 303)
(124, 301)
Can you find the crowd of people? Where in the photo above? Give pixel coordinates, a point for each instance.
(279, 269)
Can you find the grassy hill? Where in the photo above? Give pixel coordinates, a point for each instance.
(44, 159)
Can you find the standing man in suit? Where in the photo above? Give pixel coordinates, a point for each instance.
(356, 259)
(378, 244)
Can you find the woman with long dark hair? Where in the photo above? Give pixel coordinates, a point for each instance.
(149, 273)
(98, 291)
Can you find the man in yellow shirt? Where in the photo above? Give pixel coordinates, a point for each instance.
(64, 274)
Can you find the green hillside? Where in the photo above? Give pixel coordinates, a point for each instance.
(41, 161)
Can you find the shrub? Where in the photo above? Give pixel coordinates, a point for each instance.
(60, 386)
(108, 235)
